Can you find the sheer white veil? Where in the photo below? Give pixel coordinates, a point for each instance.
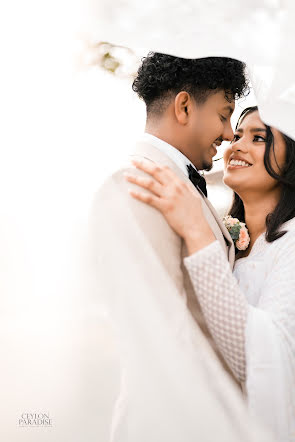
(257, 32)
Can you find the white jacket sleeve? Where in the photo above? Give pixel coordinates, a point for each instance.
(257, 341)
(224, 306)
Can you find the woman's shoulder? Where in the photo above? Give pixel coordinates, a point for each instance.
(262, 246)
(280, 251)
(289, 228)
(287, 241)
(288, 225)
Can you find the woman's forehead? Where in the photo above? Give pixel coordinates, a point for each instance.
(252, 119)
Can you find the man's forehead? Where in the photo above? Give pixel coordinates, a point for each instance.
(223, 101)
(226, 101)
(229, 107)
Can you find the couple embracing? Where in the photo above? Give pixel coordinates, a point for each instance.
(161, 249)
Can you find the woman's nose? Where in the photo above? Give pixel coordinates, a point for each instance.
(238, 145)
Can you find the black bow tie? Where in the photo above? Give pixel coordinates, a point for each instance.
(198, 181)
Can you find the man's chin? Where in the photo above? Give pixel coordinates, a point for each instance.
(207, 166)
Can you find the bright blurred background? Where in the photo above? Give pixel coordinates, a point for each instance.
(69, 117)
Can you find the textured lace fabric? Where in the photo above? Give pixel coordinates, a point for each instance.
(223, 304)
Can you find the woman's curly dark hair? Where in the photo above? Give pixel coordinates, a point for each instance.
(161, 76)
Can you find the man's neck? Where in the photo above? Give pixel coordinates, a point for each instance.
(166, 136)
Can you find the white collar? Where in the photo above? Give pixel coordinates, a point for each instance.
(174, 154)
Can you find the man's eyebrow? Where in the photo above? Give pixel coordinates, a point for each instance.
(254, 129)
(228, 108)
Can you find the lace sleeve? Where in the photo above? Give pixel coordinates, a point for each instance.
(224, 306)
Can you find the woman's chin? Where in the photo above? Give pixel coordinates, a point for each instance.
(232, 182)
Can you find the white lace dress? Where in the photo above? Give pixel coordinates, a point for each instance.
(251, 315)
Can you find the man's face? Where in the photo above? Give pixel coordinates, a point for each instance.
(208, 126)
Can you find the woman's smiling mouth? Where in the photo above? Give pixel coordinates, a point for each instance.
(238, 163)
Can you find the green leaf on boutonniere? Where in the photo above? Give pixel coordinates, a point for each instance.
(235, 232)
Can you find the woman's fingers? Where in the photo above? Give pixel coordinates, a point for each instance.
(145, 182)
(147, 198)
(162, 174)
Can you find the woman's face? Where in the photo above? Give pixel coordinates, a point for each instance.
(244, 169)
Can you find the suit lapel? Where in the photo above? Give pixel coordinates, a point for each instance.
(149, 152)
(225, 232)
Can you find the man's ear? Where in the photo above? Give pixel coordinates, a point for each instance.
(182, 107)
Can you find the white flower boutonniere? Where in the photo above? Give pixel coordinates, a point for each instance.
(238, 232)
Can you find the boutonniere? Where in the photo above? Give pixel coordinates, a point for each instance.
(238, 232)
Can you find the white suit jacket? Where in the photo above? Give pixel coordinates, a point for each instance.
(173, 262)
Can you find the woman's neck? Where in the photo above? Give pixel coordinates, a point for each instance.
(256, 210)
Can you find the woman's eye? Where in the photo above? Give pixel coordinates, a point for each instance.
(259, 138)
(235, 138)
(223, 118)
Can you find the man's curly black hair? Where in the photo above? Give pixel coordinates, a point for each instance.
(161, 76)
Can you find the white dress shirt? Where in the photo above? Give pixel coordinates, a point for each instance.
(174, 154)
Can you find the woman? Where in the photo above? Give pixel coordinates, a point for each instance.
(251, 313)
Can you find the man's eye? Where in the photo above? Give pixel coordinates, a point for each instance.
(259, 138)
(235, 138)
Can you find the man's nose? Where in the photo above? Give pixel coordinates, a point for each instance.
(228, 133)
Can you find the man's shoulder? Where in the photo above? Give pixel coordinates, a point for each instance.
(113, 204)
(117, 175)
(113, 193)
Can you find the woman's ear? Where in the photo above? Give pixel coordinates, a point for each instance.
(182, 107)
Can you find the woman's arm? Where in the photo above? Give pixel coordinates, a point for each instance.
(226, 309)
(224, 306)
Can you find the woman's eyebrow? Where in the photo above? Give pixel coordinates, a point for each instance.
(254, 129)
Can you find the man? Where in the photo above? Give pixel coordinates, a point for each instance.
(189, 105)
(173, 386)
